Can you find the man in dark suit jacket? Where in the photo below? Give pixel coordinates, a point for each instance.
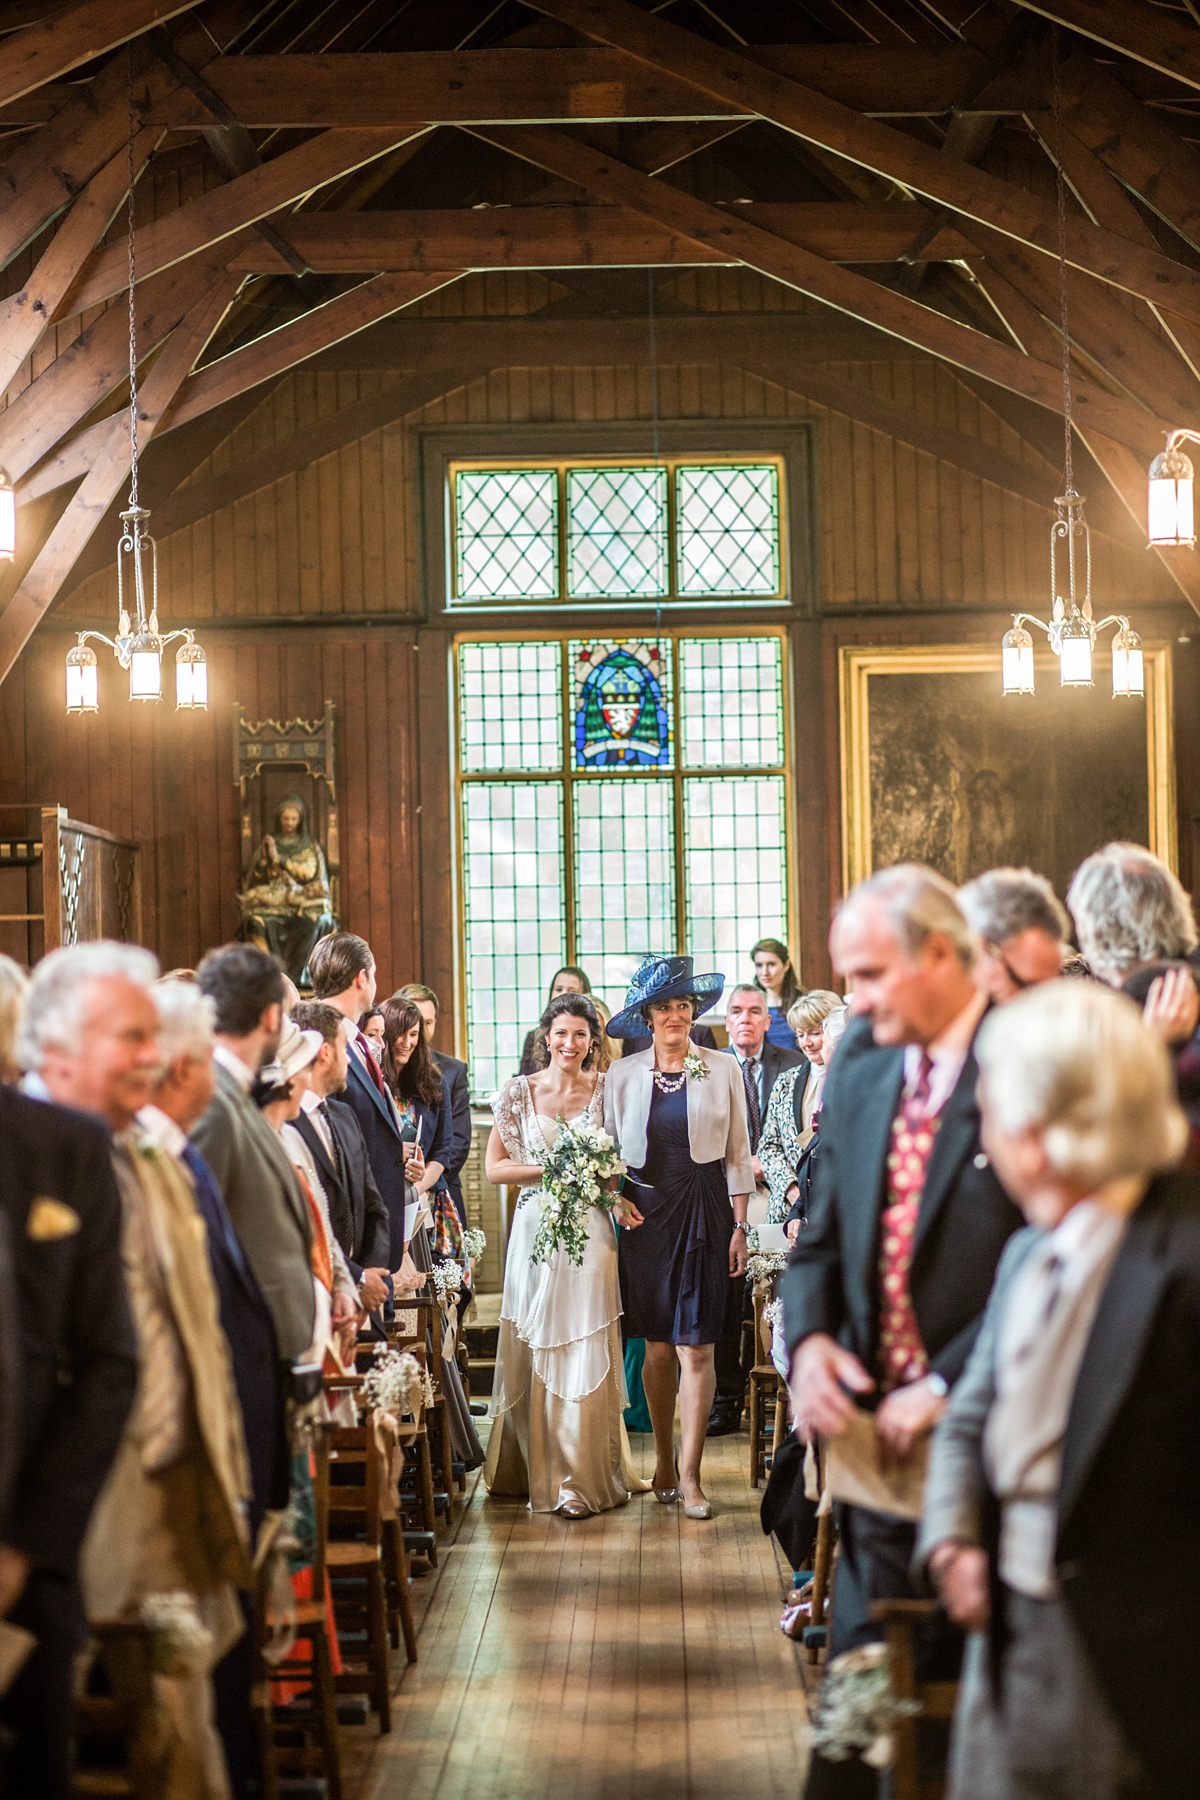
(762, 1062)
(886, 1288)
(456, 1082)
(331, 1131)
(78, 1376)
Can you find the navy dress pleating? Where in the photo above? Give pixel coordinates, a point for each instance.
(675, 1267)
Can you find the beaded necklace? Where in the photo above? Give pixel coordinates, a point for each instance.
(669, 1084)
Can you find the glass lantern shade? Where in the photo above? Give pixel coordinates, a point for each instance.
(191, 677)
(83, 680)
(1016, 654)
(145, 667)
(8, 519)
(1128, 671)
(1075, 657)
(1170, 501)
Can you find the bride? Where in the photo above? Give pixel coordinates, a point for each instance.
(559, 1391)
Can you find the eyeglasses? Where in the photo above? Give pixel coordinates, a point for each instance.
(1018, 981)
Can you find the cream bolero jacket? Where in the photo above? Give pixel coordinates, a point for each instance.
(717, 1127)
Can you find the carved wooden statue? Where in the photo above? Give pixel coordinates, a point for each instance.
(287, 903)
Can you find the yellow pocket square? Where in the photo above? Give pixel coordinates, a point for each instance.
(49, 1219)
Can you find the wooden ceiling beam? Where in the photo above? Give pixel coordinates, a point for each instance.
(108, 472)
(1149, 36)
(24, 316)
(732, 76)
(281, 350)
(88, 371)
(544, 237)
(1126, 474)
(75, 35)
(226, 210)
(1137, 145)
(612, 182)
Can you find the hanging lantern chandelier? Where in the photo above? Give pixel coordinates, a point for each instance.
(139, 644)
(1170, 499)
(1072, 628)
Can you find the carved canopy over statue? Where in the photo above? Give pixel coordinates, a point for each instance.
(286, 902)
(289, 893)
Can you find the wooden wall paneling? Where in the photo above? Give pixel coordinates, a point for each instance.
(812, 907)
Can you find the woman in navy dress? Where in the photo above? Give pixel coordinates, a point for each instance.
(774, 974)
(678, 1114)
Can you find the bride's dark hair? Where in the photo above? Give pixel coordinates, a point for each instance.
(579, 1006)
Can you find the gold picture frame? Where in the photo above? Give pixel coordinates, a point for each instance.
(859, 664)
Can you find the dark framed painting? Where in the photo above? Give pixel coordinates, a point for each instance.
(940, 767)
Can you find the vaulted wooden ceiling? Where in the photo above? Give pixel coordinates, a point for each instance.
(895, 160)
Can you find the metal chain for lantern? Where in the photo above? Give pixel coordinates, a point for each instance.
(1072, 629)
(139, 644)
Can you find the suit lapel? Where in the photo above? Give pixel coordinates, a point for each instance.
(1126, 1312)
(272, 1149)
(312, 1137)
(956, 1133)
(368, 1086)
(803, 1071)
(866, 1128)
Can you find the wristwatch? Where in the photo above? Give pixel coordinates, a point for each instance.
(739, 1225)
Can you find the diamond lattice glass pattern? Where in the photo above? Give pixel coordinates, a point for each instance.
(731, 702)
(621, 703)
(616, 533)
(727, 529)
(735, 866)
(506, 534)
(510, 707)
(624, 878)
(514, 916)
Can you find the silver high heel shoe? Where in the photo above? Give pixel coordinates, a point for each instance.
(667, 1496)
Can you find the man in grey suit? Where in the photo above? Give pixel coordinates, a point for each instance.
(268, 1209)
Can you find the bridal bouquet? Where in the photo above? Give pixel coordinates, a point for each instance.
(582, 1159)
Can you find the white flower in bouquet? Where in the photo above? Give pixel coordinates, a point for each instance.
(764, 1265)
(182, 1642)
(859, 1708)
(447, 1279)
(583, 1159)
(772, 1313)
(394, 1384)
(694, 1065)
(474, 1242)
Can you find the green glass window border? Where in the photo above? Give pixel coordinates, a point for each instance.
(569, 775)
(672, 595)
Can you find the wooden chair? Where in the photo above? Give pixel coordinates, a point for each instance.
(358, 1508)
(900, 1619)
(767, 1401)
(127, 1715)
(817, 1631)
(315, 1726)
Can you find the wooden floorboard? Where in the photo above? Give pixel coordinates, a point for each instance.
(632, 1654)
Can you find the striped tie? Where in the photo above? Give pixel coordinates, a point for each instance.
(752, 1106)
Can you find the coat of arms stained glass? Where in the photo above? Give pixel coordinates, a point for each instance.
(622, 704)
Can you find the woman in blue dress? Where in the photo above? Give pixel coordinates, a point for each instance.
(678, 1114)
(774, 974)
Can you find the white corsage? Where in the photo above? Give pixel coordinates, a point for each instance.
(694, 1065)
(474, 1242)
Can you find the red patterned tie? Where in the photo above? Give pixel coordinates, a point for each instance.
(372, 1065)
(901, 1353)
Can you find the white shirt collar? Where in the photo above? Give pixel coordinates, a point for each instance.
(162, 1130)
(33, 1085)
(233, 1065)
(310, 1102)
(754, 1060)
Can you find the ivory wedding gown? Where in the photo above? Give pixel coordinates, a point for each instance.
(559, 1391)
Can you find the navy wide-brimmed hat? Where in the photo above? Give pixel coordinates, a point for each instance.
(659, 977)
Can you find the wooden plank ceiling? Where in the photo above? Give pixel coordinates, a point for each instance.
(894, 160)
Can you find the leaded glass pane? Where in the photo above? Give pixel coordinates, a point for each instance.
(727, 529)
(734, 867)
(622, 714)
(731, 702)
(624, 878)
(506, 534)
(616, 533)
(514, 916)
(510, 706)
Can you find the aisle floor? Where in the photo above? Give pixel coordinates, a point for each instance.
(625, 1655)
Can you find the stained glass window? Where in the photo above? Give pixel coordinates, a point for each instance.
(622, 703)
(734, 864)
(728, 529)
(510, 706)
(514, 916)
(506, 534)
(731, 702)
(616, 532)
(585, 837)
(570, 532)
(624, 877)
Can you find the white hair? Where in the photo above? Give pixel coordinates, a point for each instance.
(57, 996)
(1003, 903)
(1129, 910)
(186, 1020)
(1075, 1061)
(916, 902)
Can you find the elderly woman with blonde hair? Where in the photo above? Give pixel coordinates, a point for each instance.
(1071, 1446)
(795, 1099)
